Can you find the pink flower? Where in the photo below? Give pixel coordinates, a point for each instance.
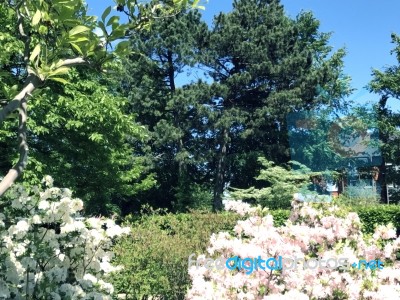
(310, 233)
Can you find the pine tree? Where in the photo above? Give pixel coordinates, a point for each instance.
(265, 65)
(169, 111)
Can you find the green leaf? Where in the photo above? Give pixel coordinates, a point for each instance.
(36, 18)
(58, 79)
(122, 46)
(60, 71)
(106, 13)
(113, 19)
(78, 29)
(35, 53)
(80, 39)
(103, 28)
(77, 48)
(117, 34)
(96, 137)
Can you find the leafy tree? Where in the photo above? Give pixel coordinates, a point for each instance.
(264, 65)
(82, 135)
(386, 83)
(172, 114)
(43, 40)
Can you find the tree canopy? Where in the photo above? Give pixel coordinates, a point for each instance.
(121, 117)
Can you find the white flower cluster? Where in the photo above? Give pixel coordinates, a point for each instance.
(48, 252)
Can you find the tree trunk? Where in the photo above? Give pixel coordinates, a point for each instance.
(220, 172)
(383, 135)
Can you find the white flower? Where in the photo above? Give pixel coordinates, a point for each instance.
(23, 226)
(74, 226)
(96, 237)
(67, 193)
(107, 287)
(19, 249)
(76, 205)
(48, 180)
(107, 267)
(95, 223)
(90, 278)
(44, 205)
(36, 219)
(20, 229)
(24, 245)
(114, 231)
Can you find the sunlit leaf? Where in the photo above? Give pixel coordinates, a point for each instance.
(77, 48)
(78, 29)
(36, 18)
(58, 79)
(35, 53)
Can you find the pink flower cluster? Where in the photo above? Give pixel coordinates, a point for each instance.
(313, 231)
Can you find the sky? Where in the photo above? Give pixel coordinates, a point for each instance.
(363, 27)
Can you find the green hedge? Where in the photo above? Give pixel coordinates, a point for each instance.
(370, 216)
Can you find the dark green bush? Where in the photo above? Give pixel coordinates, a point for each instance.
(381, 214)
(280, 216)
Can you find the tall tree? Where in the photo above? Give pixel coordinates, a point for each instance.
(169, 111)
(386, 83)
(265, 65)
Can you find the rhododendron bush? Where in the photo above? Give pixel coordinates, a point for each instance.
(318, 231)
(48, 251)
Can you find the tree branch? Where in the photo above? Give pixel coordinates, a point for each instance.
(31, 82)
(70, 62)
(16, 171)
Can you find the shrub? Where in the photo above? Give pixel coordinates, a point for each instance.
(48, 251)
(280, 182)
(155, 255)
(313, 231)
(382, 214)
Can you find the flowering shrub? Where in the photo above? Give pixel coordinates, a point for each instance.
(48, 251)
(312, 231)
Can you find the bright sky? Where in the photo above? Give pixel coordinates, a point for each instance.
(363, 27)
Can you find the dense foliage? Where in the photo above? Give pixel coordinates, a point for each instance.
(259, 65)
(386, 84)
